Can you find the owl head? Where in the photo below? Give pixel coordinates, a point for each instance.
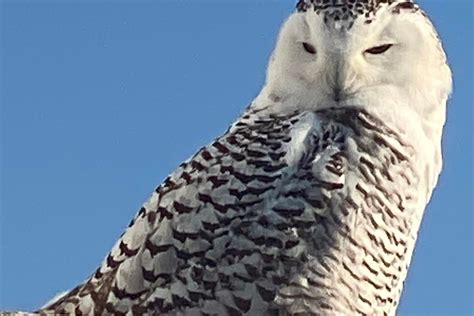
(383, 55)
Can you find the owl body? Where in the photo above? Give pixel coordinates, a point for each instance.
(290, 214)
(311, 202)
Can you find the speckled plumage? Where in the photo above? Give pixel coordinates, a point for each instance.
(353, 7)
(246, 225)
(347, 12)
(309, 204)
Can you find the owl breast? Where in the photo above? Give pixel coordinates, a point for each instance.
(355, 187)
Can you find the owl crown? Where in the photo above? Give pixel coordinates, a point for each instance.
(352, 7)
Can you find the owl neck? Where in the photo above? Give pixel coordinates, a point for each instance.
(420, 126)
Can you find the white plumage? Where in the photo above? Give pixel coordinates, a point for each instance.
(311, 202)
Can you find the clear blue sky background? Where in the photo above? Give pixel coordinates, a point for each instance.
(100, 100)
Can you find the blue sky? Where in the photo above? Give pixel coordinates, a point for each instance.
(100, 100)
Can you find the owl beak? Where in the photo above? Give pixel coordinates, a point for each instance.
(340, 78)
(343, 85)
(337, 83)
(341, 94)
(337, 95)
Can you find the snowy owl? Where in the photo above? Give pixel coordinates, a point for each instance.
(311, 202)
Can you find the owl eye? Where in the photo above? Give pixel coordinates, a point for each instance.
(309, 48)
(379, 49)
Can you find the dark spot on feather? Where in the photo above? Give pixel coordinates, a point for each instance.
(149, 275)
(181, 208)
(251, 271)
(126, 251)
(151, 217)
(186, 177)
(179, 236)
(220, 147)
(206, 155)
(179, 301)
(237, 156)
(154, 250)
(255, 154)
(239, 195)
(258, 191)
(232, 140)
(123, 294)
(273, 242)
(139, 310)
(266, 295)
(111, 263)
(315, 203)
(97, 275)
(291, 243)
(243, 304)
(228, 169)
(276, 156)
(274, 168)
(216, 182)
(196, 165)
(232, 311)
(164, 213)
(209, 285)
(287, 212)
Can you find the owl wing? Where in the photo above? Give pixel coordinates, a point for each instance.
(231, 226)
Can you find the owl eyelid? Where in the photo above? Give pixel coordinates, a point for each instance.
(377, 50)
(309, 48)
